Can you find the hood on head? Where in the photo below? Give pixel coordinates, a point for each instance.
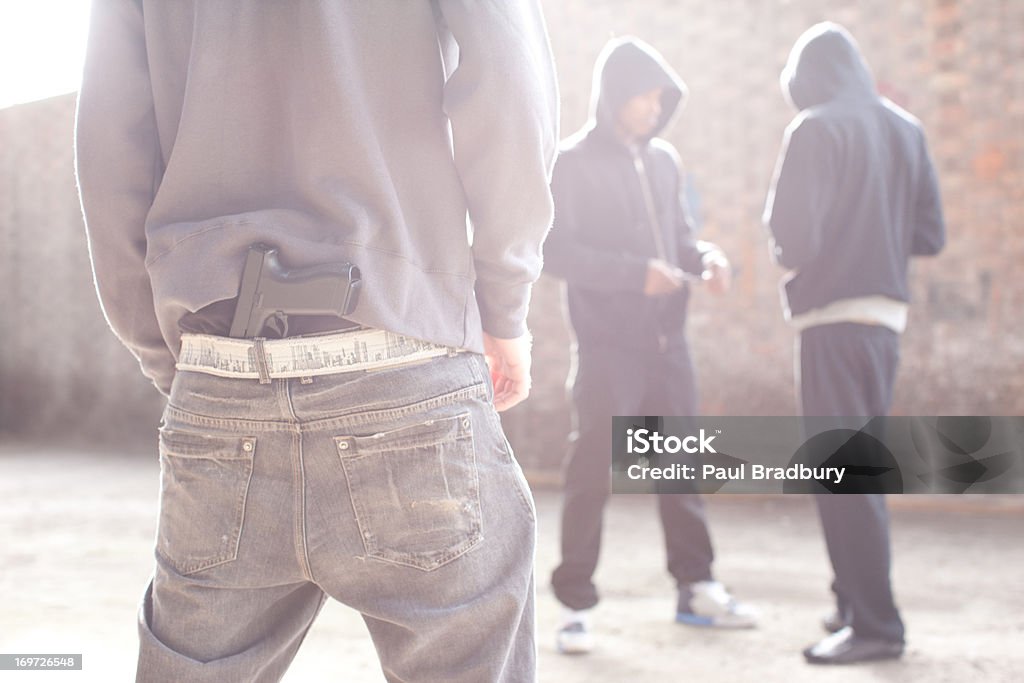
(825, 63)
(628, 67)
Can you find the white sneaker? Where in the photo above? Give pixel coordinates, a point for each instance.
(708, 603)
(574, 636)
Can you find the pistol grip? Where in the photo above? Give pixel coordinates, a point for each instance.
(247, 305)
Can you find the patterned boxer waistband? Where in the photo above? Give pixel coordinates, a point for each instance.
(312, 356)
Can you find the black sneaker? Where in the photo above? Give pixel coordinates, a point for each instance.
(846, 647)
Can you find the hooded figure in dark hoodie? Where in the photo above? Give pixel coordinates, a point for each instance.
(623, 242)
(854, 196)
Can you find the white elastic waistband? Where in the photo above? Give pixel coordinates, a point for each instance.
(866, 310)
(328, 354)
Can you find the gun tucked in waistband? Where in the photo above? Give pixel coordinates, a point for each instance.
(269, 291)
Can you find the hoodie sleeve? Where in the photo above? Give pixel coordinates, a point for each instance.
(502, 101)
(691, 250)
(929, 236)
(568, 256)
(118, 165)
(801, 189)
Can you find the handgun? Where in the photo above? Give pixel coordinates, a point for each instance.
(268, 290)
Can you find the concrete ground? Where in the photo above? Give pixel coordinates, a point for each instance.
(77, 530)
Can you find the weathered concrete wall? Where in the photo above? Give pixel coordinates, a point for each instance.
(954, 64)
(62, 372)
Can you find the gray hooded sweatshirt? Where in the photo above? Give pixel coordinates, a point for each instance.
(360, 132)
(854, 193)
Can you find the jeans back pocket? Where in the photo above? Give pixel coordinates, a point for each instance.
(415, 491)
(204, 483)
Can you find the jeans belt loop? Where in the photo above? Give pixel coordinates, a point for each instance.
(259, 356)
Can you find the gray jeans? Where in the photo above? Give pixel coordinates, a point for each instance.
(392, 491)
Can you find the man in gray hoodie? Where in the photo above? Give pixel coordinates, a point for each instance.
(854, 196)
(358, 458)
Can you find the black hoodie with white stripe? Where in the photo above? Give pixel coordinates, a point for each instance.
(854, 193)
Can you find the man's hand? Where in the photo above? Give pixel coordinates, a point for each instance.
(717, 272)
(509, 363)
(662, 278)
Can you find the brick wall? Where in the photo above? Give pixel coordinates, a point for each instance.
(955, 64)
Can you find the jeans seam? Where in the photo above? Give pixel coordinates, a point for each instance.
(355, 420)
(241, 504)
(298, 506)
(284, 396)
(511, 463)
(350, 421)
(227, 423)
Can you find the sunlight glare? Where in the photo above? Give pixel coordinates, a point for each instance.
(42, 47)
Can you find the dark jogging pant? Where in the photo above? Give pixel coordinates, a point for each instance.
(613, 381)
(849, 369)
